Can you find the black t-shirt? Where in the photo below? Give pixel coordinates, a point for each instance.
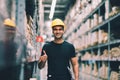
(7, 54)
(59, 56)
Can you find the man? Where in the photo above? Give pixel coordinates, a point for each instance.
(58, 54)
(8, 68)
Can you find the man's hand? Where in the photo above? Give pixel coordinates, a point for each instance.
(42, 60)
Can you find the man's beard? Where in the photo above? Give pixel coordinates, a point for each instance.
(58, 37)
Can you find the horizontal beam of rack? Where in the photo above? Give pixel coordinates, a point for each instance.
(100, 60)
(101, 45)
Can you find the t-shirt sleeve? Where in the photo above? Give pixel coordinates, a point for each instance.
(73, 54)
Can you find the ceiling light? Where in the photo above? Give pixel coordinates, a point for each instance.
(52, 9)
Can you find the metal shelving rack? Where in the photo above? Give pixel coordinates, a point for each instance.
(108, 24)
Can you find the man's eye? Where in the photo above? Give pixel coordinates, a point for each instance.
(58, 29)
(54, 29)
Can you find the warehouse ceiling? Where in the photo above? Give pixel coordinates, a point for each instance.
(62, 6)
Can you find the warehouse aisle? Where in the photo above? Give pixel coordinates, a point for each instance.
(92, 26)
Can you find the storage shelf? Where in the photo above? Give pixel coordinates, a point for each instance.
(87, 17)
(95, 60)
(101, 45)
(101, 4)
(98, 41)
(92, 76)
(95, 47)
(105, 22)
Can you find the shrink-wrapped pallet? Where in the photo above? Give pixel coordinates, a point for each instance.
(83, 67)
(114, 75)
(103, 70)
(95, 56)
(115, 53)
(94, 38)
(96, 20)
(100, 36)
(88, 69)
(115, 10)
(105, 55)
(95, 70)
(105, 37)
(86, 56)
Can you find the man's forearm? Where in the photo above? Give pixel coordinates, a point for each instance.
(76, 71)
(41, 64)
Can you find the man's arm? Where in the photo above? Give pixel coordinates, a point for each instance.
(41, 64)
(75, 65)
(42, 60)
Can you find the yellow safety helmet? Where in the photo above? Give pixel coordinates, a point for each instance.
(9, 22)
(56, 22)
